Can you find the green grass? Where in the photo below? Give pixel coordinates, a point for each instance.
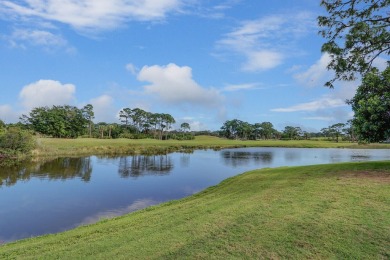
(86, 146)
(338, 211)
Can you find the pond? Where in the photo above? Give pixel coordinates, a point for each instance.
(61, 194)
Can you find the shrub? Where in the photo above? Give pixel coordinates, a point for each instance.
(15, 140)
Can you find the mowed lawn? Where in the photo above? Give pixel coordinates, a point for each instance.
(338, 211)
(83, 146)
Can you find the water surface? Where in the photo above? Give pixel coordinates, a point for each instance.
(58, 195)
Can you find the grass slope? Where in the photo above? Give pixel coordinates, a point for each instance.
(324, 211)
(87, 146)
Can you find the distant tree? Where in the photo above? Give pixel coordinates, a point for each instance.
(125, 116)
(232, 128)
(371, 105)
(57, 121)
(326, 132)
(89, 115)
(357, 33)
(267, 130)
(349, 131)
(306, 135)
(168, 122)
(336, 130)
(185, 126)
(138, 117)
(292, 132)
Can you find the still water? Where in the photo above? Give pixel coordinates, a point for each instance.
(64, 193)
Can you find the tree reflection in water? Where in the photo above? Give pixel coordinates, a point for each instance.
(57, 169)
(141, 165)
(240, 158)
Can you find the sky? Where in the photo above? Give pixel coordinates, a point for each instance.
(202, 61)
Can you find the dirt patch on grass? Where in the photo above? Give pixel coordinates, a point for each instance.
(377, 176)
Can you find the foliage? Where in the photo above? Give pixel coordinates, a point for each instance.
(145, 122)
(185, 127)
(364, 27)
(57, 121)
(336, 130)
(2, 124)
(15, 140)
(336, 211)
(181, 136)
(292, 132)
(371, 105)
(238, 129)
(89, 115)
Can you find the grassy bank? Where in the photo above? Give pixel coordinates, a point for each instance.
(86, 146)
(324, 211)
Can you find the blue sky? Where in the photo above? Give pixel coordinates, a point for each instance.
(202, 61)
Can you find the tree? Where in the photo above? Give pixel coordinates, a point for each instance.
(292, 132)
(349, 131)
(124, 116)
(185, 126)
(231, 128)
(168, 122)
(89, 115)
(267, 130)
(57, 121)
(371, 105)
(336, 130)
(364, 27)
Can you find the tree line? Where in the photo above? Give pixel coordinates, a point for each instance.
(72, 122)
(238, 129)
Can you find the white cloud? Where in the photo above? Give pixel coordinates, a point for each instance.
(238, 87)
(267, 42)
(47, 93)
(38, 37)
(25, 37)
(262, 60)
(174, 85)
(103, 108)
(317, 74)
(91, 14)
(323, 103)
(132, 68)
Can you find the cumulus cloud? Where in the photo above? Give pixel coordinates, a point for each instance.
(265, 43)
(47, 93)
(174, 85)
(90, 14)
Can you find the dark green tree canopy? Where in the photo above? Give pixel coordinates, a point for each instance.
(371, 105)
(57, 121)
(357, 33)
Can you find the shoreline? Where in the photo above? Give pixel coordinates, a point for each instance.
(86, 146)
(286, 202)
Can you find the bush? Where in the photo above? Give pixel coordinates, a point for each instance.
(15, 140)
